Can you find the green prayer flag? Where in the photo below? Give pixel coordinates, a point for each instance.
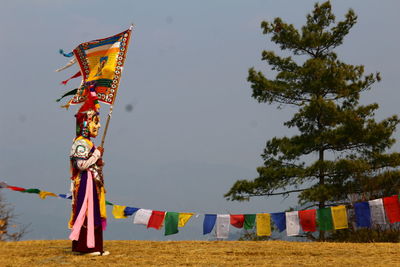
(109, 203)
(324, 219)
(32, 191)
(171, 223)
(249, 221)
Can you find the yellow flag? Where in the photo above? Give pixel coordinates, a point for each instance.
(118, 212)
(184, 218)
(263, 222)
(44, 194)
(103, 211)
(339, 217)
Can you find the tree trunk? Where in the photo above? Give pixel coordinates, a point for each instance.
(321, 182)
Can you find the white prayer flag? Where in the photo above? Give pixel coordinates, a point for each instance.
(377, 211)
(142, 216)
(223, 222)
(292, 223)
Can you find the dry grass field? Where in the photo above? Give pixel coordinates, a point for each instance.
(202, 253)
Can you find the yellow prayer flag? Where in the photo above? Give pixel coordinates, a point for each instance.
(263, 224)
(44, 194)
(118, 212)
(184, 218)
(103, 211)
(339, 216)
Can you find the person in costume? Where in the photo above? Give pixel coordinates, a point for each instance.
(88, 217)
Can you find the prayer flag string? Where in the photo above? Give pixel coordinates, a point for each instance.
(367, 214)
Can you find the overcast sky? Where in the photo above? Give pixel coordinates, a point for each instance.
(194, 128)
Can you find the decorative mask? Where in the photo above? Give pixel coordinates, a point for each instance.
(87, 123)
(94, 126)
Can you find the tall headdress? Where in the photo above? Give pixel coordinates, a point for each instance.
(89, 109)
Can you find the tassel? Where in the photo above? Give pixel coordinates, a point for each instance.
(66, 106)
(70, 54)
(70, 63)
(72, 77)
(72, 92)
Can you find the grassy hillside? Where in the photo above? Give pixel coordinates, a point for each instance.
(202, 253)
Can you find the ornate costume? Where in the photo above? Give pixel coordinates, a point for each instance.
(88, 217)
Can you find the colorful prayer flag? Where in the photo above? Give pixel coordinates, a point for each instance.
(324, 219)
(377, 211)
(292, 223)
(223, 222)
(279, 219)
(363, 214)
(32, 191)
(130, 210)
(156, 220)
(66, 196)
(392, 208)
(249, 221)
(16, 188)
(237, 220)
(44, 194)
(171, 223)
(339, 216)
(308, 220)
(118, 212)
(184, 217)
(263, 224)
(209, 222)
(142, 216)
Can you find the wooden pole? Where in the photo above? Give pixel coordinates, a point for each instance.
(105, 129)
(111, 107)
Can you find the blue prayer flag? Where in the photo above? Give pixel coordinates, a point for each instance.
(128, 211)
(363, 214)
(209, 222)
(66, 196)
(279, 219)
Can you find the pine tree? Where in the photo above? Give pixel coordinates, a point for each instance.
(340, 149)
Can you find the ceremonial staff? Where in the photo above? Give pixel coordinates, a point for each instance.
(111, 107)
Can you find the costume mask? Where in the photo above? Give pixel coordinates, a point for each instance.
(94, 126)
(87, 123)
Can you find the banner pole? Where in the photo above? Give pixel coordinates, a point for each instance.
(111, 107)
(105, 129)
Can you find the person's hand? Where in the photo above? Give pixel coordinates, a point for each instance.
(101, 149)
(100, 163)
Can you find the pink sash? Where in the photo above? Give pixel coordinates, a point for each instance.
(87, 206)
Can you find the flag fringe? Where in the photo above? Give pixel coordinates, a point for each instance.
(70, 63)
(70, 54)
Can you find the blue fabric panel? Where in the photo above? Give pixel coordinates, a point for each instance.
(209, 222)
(363, 214)
(279, 219)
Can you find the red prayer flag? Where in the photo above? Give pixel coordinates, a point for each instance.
(156, 219)
(392, 208)
(237, 220)
(15, 188)
(308, 220)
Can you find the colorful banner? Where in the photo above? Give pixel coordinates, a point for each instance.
(101, 63)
